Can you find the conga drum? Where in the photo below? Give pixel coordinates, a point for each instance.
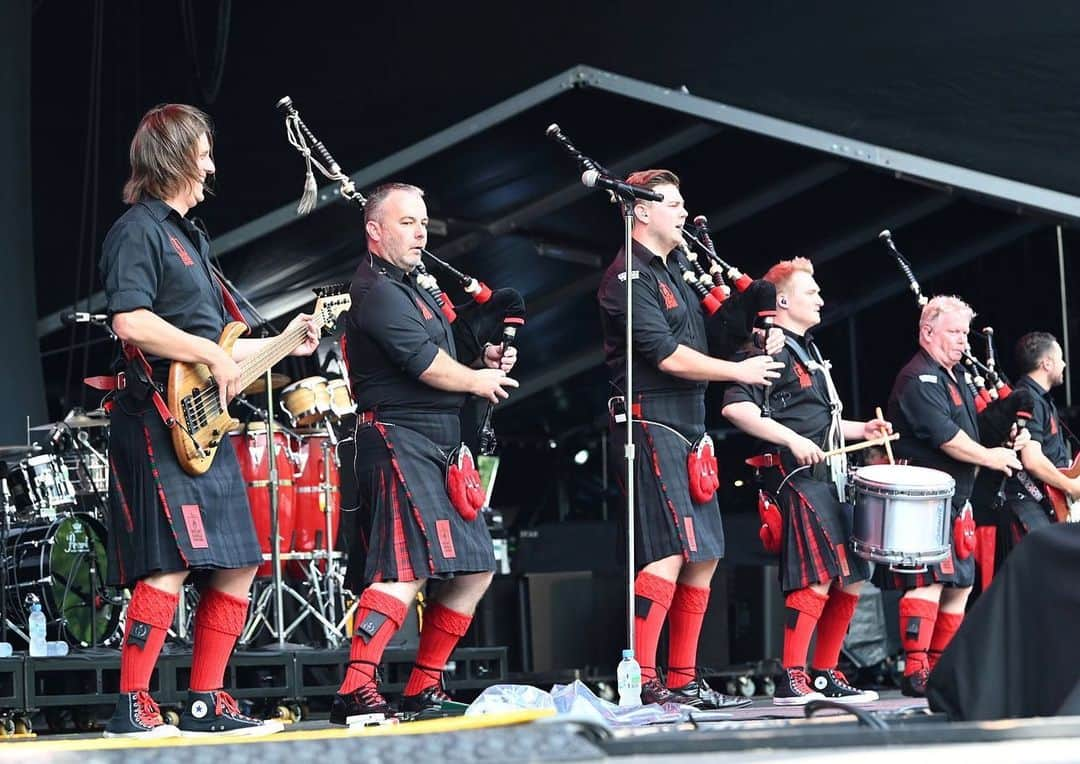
(318, 478)
(253, 455)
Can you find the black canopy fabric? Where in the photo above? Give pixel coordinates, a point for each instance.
(1015, 653)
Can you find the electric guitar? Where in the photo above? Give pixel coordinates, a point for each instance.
(1066, 509)
(193, 393)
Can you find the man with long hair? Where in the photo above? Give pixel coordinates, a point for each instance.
(165, 304)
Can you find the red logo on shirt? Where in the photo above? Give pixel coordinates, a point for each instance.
(805, 380)
(424, 309)
(954, 393)
(185, 258)
(1053, 425)
(669, 297)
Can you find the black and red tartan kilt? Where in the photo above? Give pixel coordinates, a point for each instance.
(163, 520)
(668, 521)
(1021, 516)
(815, 547)
(415, 532)
(953, 572)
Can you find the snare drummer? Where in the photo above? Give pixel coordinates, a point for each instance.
(934, 408)
(819, 573)
(410, 387)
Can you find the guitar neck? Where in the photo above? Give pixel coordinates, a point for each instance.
(257, 364)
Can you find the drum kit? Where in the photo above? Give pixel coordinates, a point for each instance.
(304, 489)
(54, 517)
(52, 533)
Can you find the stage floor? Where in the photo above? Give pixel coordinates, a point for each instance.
(894, 728)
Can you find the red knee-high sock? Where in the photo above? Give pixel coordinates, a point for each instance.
(149, 616)
(832, 628)
(804, 608)
(652, 600)
(443, 628)
(377, 620)
(917, 617)
(218, 622)
(687, 611)
(944, 628)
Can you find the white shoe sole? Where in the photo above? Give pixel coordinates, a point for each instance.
(161, 731)
(864, 697)
(269, 727)
(801, 700)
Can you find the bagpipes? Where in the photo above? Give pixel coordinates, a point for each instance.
(998, 406)
(731, 316)
(487, 317)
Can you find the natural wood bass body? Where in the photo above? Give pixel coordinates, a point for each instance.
(1066, 510)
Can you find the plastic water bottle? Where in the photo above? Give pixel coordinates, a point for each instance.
(5, 650)
(37, 631)
(56, 649)
(628, 675)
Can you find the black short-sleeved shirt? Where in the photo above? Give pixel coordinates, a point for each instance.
(1045, 429)
(154, 258)
(395, 329)
(799, 399)
(667, 314)
(928, 408)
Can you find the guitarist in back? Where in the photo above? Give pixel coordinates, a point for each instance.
(166, 305)
(1039, 357)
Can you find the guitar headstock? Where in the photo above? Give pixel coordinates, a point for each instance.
(332, 300)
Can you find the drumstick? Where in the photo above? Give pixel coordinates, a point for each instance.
(884, 441)
(888, 448)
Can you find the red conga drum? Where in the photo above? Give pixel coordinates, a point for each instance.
(253, 455)
(309, 529)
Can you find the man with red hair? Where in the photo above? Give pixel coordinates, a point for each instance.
(678, 537)
(800, 413)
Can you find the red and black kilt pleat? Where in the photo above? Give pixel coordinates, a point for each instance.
(952, 572)
(1022, 515)
(667, 522)
(162, 519)
(816, 544)
(415, 532)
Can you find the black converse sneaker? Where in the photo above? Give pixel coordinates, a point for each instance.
(914, 685)
(216, 713)
(361, 702)
(793, 689)
(655, 691)
(430, 703)
(835, 686)
(710, 698)
(137, 716)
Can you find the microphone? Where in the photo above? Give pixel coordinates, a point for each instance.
(70, 319)
(593, 179)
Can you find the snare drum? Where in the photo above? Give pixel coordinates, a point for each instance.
(341, 400)
(902, 515)
(251, 452)
(306, 401)
(39, 486)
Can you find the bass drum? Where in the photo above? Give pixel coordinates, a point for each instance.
(253, 455)
(62, 563)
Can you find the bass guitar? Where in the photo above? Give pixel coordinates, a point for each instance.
(193, 393)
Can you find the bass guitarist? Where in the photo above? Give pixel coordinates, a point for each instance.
(165, 524)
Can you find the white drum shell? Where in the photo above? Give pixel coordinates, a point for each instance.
(902, 515)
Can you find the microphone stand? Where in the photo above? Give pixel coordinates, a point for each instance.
(273, 482)
(628, 245)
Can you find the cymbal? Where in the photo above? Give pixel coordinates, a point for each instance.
(259, 385)
(77, 420)
(19, 450)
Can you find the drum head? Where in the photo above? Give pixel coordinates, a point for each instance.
(904, 476)
(76, 567)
